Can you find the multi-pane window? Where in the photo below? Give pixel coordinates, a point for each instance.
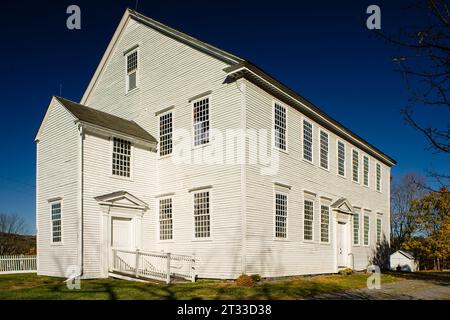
(201, 215)
(121, 162)
(366, 171)
(280, 127)
(378, 230)
(201, 122)
(165, 219)
(324, 223)
(307, 141)
(165, 134)
(341, 158)
(355, 165)
(356, 226)
(324, 149)
(56, 222)
(378, 177)
(281, 207)
(308, 220)
(132, 67)
(366, 229)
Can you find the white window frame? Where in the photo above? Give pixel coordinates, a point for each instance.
(380, 235)
(337, 158)
(358, 168)
(276, 192)
(357, 213)
(52, 202)
(329, 223)
(209, 120)
(130, 178)
(368, 170)
(159, 132)
(312, 140)
(194, 193)
(127, 91)
(274, 103)
(378, 180)
(159, 219)
(312, 225)
(366, 214)
(328, 149)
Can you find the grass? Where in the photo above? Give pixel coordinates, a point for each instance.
(33, 287)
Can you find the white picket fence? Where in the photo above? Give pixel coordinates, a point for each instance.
(17, 264)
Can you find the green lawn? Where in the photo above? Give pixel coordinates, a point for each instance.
(31, 286)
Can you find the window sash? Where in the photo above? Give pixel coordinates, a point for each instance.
(308, 220)
(56, 211)
(366, 229)
(324, 149)
(324, 223)
(165, 134)
(341, 158)
(281, 207)
(202, 220)
(165, 219)
(378, 177)
(121, 159)
(378, 230)
(356, 227)
(280, 127)
(201, 121)
(132, 67)
(366, 171)
(355, 165)
(307, 141)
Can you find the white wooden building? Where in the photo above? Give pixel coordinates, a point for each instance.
(403, 261)
(109, 176)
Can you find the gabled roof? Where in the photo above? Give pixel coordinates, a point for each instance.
(406, 254)
(105, 120)
(238, 68)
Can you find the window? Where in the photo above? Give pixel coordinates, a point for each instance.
(121, 164)
(378, 230)
(324, 149)
(355, 165)
(378, 177)
(165, 219)
(366, 171)
(324, 223)
(165, 134)
(132, 67)
(201, 215)
(280, 127)
(307, 141)
(281, 215)
(56, 222)
(356, 226)
(308, 220)
(366, 230)
(341, 158)
(201, 122)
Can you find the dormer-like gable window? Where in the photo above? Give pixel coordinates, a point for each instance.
(132, 70)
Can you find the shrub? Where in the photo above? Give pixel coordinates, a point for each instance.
(346, 272)
(245, 281)
(256, 277)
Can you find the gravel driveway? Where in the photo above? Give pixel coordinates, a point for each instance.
(400, 290)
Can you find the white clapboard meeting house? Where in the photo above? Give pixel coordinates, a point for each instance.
(117, 195)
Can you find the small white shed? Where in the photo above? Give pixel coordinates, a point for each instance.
(403, 261)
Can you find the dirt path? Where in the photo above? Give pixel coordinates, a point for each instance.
(400, 290)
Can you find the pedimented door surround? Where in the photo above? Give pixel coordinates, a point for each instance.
(120, 206)
(342, 233)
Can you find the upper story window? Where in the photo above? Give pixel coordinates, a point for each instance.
(307, 141)
(341, 158)
(165, 219)
(201, 122)
(356, 227)
(308, 220)
(132, 70)
(324, 149)
(355, 165)
(202, 222)
(121, 160)
(280, 127)
(378, 177)
(366, 171)
(56, 222)
(165, 134)
(281, 207)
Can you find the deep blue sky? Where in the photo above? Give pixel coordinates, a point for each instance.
(321, 49)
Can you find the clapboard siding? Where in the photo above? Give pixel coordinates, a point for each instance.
(57, 177)
(271, 257)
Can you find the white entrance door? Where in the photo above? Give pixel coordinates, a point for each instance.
(121, 233)
(342, 244)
